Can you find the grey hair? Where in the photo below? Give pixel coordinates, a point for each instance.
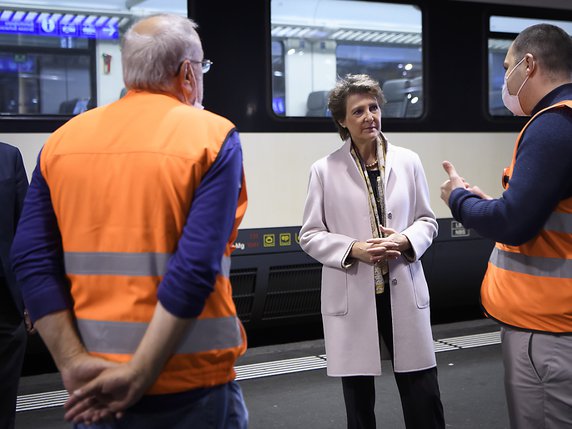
(151, 59)
(346, 86)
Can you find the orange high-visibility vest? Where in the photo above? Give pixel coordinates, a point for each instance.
(122, 179)
(530, 286)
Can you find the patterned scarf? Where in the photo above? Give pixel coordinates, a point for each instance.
(381, 268)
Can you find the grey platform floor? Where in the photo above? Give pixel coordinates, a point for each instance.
(470, 376)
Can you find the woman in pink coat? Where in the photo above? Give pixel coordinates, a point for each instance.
(367, 220)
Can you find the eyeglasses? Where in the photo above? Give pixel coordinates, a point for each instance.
(205, 65)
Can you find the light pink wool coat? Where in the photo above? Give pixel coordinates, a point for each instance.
(336, 214)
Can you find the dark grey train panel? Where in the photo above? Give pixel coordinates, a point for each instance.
(275, 283)
(454, 267)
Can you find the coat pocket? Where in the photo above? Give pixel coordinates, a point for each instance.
(334, 295)
(420, 289)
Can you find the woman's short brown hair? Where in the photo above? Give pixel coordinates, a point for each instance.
(346, 86)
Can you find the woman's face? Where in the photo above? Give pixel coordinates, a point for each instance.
(363, 118)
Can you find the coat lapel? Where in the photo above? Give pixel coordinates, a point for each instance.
(350, 164)
(389, 157)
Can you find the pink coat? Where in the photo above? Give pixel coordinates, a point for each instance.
(336, 214)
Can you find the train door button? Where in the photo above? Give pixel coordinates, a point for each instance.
(394, 282)
(389, 215)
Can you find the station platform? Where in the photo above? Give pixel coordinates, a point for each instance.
(285, 386)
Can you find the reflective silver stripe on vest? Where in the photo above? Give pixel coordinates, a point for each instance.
(124, 337)
(225, 266)
(533, 265)
(559, 222)
(124, 264)
(116, 263)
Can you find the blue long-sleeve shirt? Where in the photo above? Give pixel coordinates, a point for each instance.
(37, 254)
(542, 177)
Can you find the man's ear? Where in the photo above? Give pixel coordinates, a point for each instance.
(531, 64)
(185, 76)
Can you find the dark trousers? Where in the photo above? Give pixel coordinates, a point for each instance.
(12, 349)
(419, 390)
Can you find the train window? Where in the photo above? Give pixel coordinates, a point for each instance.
(502, 31)
(44, 83)
(314, 41)
(62, 57)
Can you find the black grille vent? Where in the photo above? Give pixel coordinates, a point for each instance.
(243, 283)
(293, 290)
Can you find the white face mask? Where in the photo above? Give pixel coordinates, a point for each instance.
(512, 102)
(197, 104)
